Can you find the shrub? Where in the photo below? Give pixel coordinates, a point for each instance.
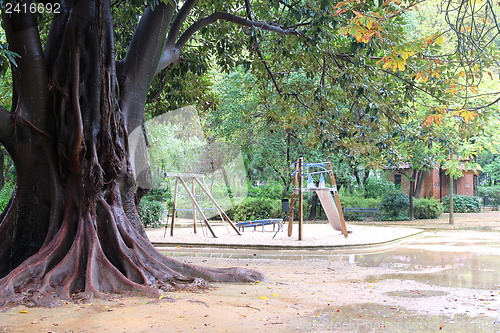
(157, 195)
(5, 195)
(462, 204)
(359, 202)
(394, 203)
(427, 208)
(493, 192)
(151, 212)
(378, 187)
(256, 209)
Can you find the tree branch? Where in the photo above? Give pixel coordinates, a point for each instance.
(171, 54)
(32, 94)
(179, 20)
(136, 72)
(233, 19)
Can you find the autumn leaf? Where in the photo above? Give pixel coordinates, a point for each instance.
(433, 118)
(468, 115)
(440, 40)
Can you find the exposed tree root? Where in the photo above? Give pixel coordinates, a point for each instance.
(98, 257)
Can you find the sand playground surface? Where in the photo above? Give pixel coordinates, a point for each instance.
(379, 279)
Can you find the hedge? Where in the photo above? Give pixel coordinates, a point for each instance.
(427, 208)
(462, 204)
(151, 212)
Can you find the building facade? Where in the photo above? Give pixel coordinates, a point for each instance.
(435, 183)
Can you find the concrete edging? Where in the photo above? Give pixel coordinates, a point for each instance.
(286, 246)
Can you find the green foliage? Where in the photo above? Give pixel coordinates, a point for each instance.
(5, 194)
(7, 58)
(377, 187)
(271, 190)
(394, 203)
(158, 194)
(359, 202)
(493, 170)
(427, 208)
(151, 212)
(462, 204)
(257, 209)
(493, 192)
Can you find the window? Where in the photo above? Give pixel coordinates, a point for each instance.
(397, 181)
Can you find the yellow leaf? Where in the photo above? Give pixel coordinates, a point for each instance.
(404, 55)
(401, 65)
(274, 295)
(263, 297)
(369, 23)
(23, 311)
(468, 115)
(440, 40)
(473, 2)
(474, 90)
(386, 65)
(161, 296)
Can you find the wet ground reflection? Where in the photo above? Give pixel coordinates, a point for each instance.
(446, 269)
(379, 318)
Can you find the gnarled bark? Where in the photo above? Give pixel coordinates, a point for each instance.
(71, 229)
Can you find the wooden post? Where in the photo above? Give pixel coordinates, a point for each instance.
(197, 206)
(174, 204)
(301, 198)
(337, 198)
(292, 199)
(219, 208)
(194, 207)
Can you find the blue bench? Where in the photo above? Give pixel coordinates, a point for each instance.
(241, 225)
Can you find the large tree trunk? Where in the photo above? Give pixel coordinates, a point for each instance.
(71, 229)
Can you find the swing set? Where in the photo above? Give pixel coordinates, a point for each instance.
(195, 180)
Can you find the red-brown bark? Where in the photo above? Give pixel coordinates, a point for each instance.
(71, 229)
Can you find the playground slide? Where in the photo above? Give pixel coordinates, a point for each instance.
(330, 209)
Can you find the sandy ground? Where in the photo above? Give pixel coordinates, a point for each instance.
(444, 280)
(314, 237)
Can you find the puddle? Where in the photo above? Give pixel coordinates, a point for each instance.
(446, 269)
(379, 318)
